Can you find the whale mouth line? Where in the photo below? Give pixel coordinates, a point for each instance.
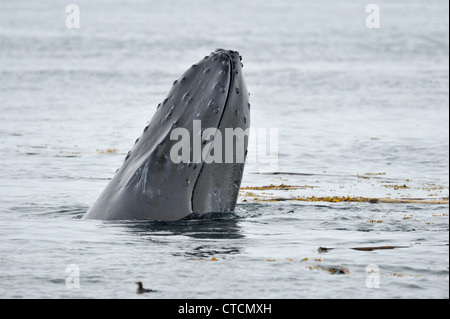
(230, 81)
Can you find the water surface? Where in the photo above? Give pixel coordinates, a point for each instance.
(359, 112)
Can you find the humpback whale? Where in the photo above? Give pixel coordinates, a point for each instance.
(156, 182)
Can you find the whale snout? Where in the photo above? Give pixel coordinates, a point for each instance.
(167, 176)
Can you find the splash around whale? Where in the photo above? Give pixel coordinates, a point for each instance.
(160, 179)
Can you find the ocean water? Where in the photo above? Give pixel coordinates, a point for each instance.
(359, 112)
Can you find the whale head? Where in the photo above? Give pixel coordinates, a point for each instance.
(190, 157)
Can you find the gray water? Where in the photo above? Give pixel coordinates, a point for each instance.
(359, 111)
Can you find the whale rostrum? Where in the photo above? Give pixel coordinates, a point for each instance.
(190, 157)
